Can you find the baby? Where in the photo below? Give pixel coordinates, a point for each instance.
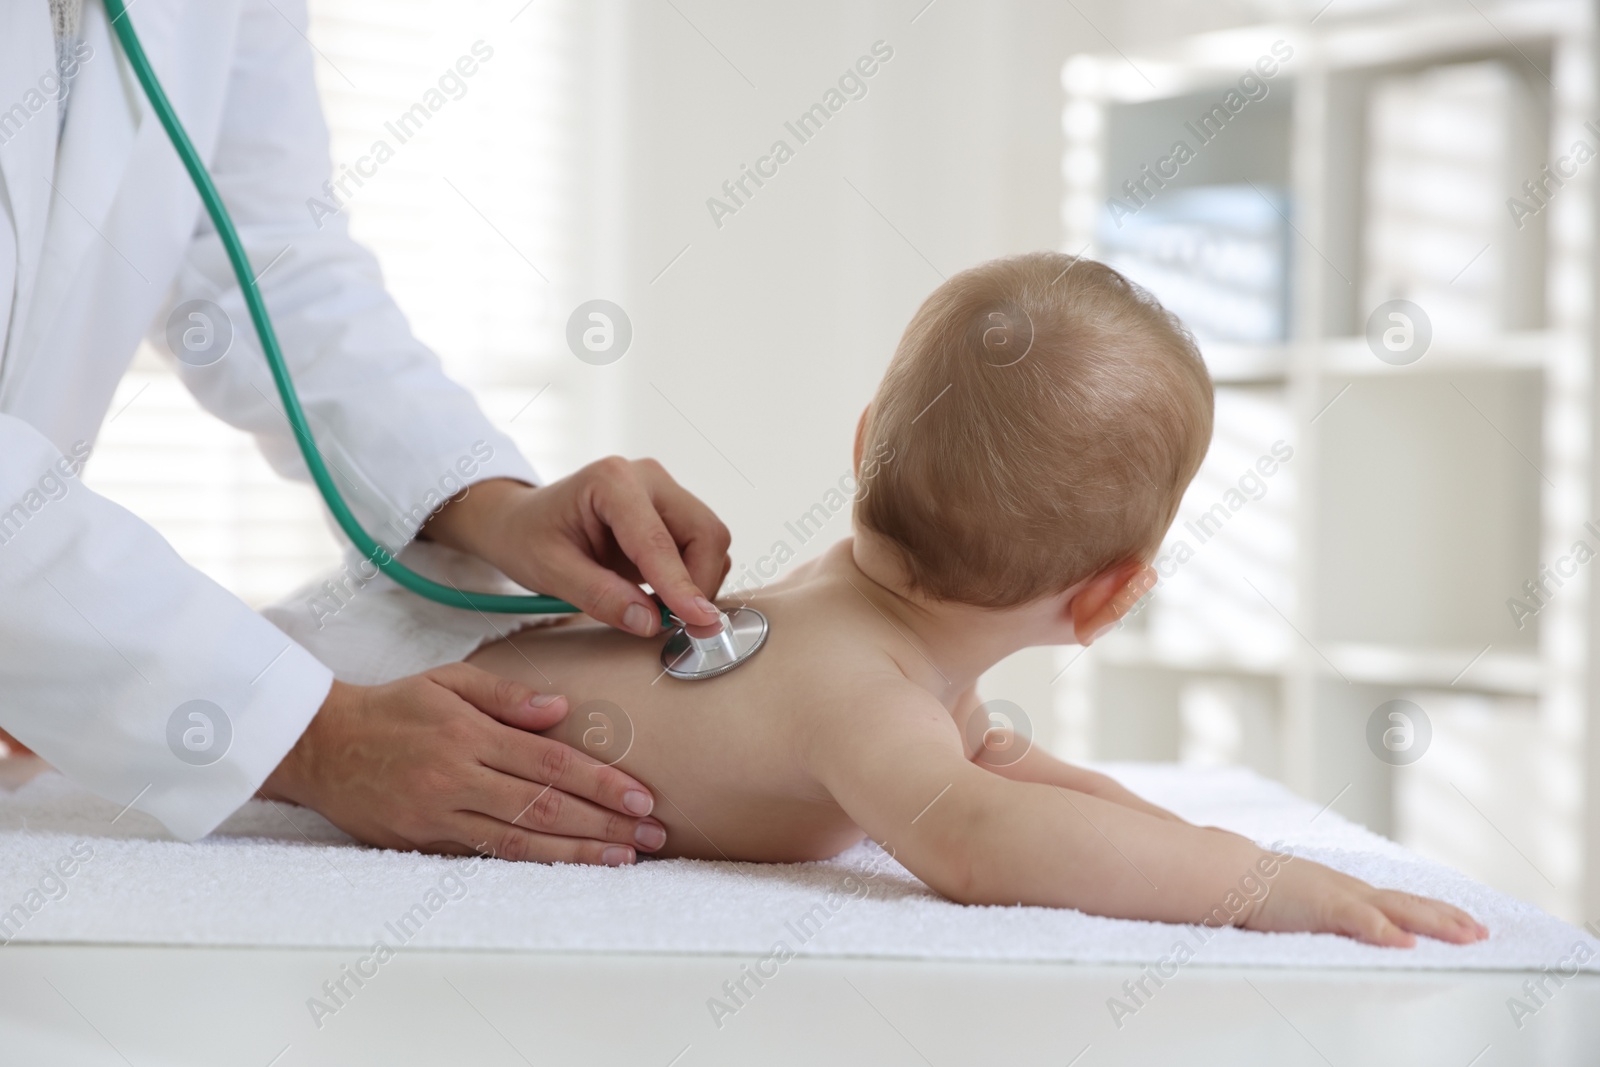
(1025, 454)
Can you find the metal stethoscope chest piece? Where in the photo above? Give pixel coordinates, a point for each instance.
(744, 631)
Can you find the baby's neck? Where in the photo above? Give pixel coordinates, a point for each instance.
(956, 642)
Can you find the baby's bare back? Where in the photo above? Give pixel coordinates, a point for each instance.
(724, 756)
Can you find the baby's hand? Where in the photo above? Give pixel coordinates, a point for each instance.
(1308, 897)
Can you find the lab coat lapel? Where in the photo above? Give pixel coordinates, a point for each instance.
(27, 142)
(105, 117)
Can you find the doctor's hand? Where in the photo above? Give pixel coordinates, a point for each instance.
(592, 537)
(444, 761)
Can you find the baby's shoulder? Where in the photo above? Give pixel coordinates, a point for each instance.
(865, 691)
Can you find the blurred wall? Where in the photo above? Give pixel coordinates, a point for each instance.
(756, 349)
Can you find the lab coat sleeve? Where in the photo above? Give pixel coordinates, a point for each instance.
(398, 436)
(132, 673)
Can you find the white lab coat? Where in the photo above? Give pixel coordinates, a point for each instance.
(104, 630)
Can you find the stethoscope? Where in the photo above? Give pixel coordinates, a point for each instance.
(743, 630)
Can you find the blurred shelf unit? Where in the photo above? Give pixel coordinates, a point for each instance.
(1351, 357)
(1278, 187)
(1502, 673)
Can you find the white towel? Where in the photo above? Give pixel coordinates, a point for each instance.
(279, 875)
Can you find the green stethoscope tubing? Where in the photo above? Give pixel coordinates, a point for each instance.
(368, 545)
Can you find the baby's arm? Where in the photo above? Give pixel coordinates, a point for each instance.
(893, 759)
(1041, 767)
(1037, 765)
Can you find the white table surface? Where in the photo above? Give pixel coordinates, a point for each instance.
(122, 1006)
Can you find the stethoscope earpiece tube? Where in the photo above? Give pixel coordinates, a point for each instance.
(368, 545)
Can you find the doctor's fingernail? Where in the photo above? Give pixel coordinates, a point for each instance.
(705, 605)
(616, 856)
(637, 802)
(638, 620)
(544, 700)
(649, 835)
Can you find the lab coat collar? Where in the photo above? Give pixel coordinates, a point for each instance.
(105, 117)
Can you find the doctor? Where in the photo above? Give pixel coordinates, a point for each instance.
(105, 632)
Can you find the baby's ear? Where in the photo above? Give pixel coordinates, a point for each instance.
(1107, 597)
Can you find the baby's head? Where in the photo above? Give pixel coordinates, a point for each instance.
(1036, 428)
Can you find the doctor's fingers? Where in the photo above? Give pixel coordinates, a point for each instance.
(651, 516)
(545, 809)
(543, 761)
(600, 592)
(507, 701)
(695, 527)
(506, 745)
(480, 834)
(13, 746)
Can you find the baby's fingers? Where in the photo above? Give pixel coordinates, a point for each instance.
(1433, 918)
(1369, 923)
